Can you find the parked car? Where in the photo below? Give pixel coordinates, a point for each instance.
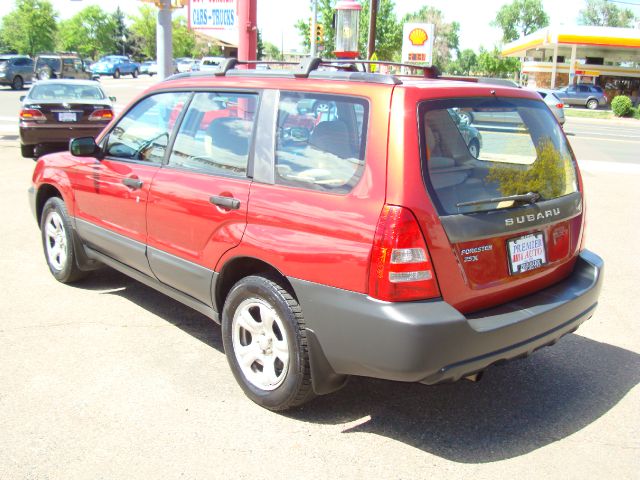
(360, 237)
(55, 111)
(590, 96)
(60, 65)
(15, 71)
(210, 63)
(185, 64)
(553, 102)
(149, 67)
(116, 65)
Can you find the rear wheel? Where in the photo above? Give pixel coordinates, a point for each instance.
(265, 341)
(45, 73)
(57, 241)
(27, 151)
(134, 74)
(116, 74)
(474, 148)
(592, 104)
(17, 83)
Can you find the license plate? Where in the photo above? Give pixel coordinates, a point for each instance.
(67, 117)
(526, 253)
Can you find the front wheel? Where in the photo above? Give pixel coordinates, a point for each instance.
(57, 241)
(265, 341)
(17, 83)
(592, 104)
(474, 148)
(116, 74)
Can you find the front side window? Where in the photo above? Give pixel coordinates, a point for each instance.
(321, 141)
(215, 135)
(143, 133)
(512, 147)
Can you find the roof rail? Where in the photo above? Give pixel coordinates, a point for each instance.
(349, 70)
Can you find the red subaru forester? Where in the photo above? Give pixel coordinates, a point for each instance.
(335, 222)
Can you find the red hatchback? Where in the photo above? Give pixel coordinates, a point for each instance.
(335, 222)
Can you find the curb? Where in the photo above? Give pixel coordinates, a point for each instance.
(610, 121)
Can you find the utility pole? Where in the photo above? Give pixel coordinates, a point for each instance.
(164, 47)
(312, 33)
(247, 29)
(373, 17)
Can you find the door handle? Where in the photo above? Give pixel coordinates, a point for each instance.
(226, 202)
(134, 183)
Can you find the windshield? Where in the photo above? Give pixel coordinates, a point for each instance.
(110, 59)
(60, 91)
(480, 150)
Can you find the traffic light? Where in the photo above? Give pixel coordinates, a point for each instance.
(319, 33)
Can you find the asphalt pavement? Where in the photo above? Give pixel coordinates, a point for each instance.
(108, 379)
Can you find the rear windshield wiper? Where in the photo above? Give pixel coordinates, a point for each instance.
(530, 197)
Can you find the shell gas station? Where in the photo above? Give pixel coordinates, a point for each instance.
(554, 57)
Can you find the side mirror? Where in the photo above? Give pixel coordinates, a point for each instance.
(113, 99)
(22, 97)
(83, 147)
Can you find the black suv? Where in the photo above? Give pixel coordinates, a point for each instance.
(60, 65)
(15, 71)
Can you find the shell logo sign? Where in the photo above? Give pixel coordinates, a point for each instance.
(417, 43)
(418, 37)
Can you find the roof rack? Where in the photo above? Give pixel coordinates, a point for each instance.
(314, 67)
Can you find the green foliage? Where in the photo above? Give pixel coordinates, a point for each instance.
(388, 45)
(121, 30)
(271, 52)
(447, 34)
(143, 29)
(547, 176)
(90, 33)
(519, 18)
(465, 64)
(325, 17)
(621, 106)
(30, 28)
(635, 112)
(491, 64)
(184, 40)
(605, 14)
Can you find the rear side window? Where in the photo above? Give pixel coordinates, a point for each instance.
(321, 141)
(480, 150)
(143, 132)
(216, 133)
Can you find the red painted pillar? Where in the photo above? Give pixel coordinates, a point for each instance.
(247, 29)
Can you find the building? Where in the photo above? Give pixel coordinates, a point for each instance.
(553, 57)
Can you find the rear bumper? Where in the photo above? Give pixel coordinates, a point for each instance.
(47, 133)
(431, 342)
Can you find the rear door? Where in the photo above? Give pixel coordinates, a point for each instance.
(512, 215)
(111, 192)
(198, 201)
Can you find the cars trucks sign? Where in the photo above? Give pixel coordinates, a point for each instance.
(417, 43)
(213, 15)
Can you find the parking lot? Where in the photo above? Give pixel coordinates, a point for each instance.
(110, 379)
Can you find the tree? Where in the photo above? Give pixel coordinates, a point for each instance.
(465, 64)
(143, 29)
(30, 28)
(271, 52)
(122, 35)
(388, 31)
(325, 18)
(491, 64)
(447, 35)
(90, 32)
(184, 40)
(605, 14)
(520, 18)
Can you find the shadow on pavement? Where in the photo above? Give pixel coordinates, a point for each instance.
(518, 407)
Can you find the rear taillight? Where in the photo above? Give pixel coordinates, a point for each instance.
(102, 114)
(401, 268)
(559, 105)
(31, 114)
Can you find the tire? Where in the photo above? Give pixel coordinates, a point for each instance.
(116, 74)
(592, 104)
(282, 346)
(27, 151)
(474, 148)
(58, 242)
(466, 117)
(45, 73)
(17, 83)
(134, 74)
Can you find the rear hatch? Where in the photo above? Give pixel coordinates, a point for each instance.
(504, 184)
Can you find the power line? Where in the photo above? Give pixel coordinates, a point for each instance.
(624, 3)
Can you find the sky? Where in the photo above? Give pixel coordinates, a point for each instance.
(276, 18)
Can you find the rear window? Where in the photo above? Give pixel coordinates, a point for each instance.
(66, 91)
(480, 151)
(53, 62)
